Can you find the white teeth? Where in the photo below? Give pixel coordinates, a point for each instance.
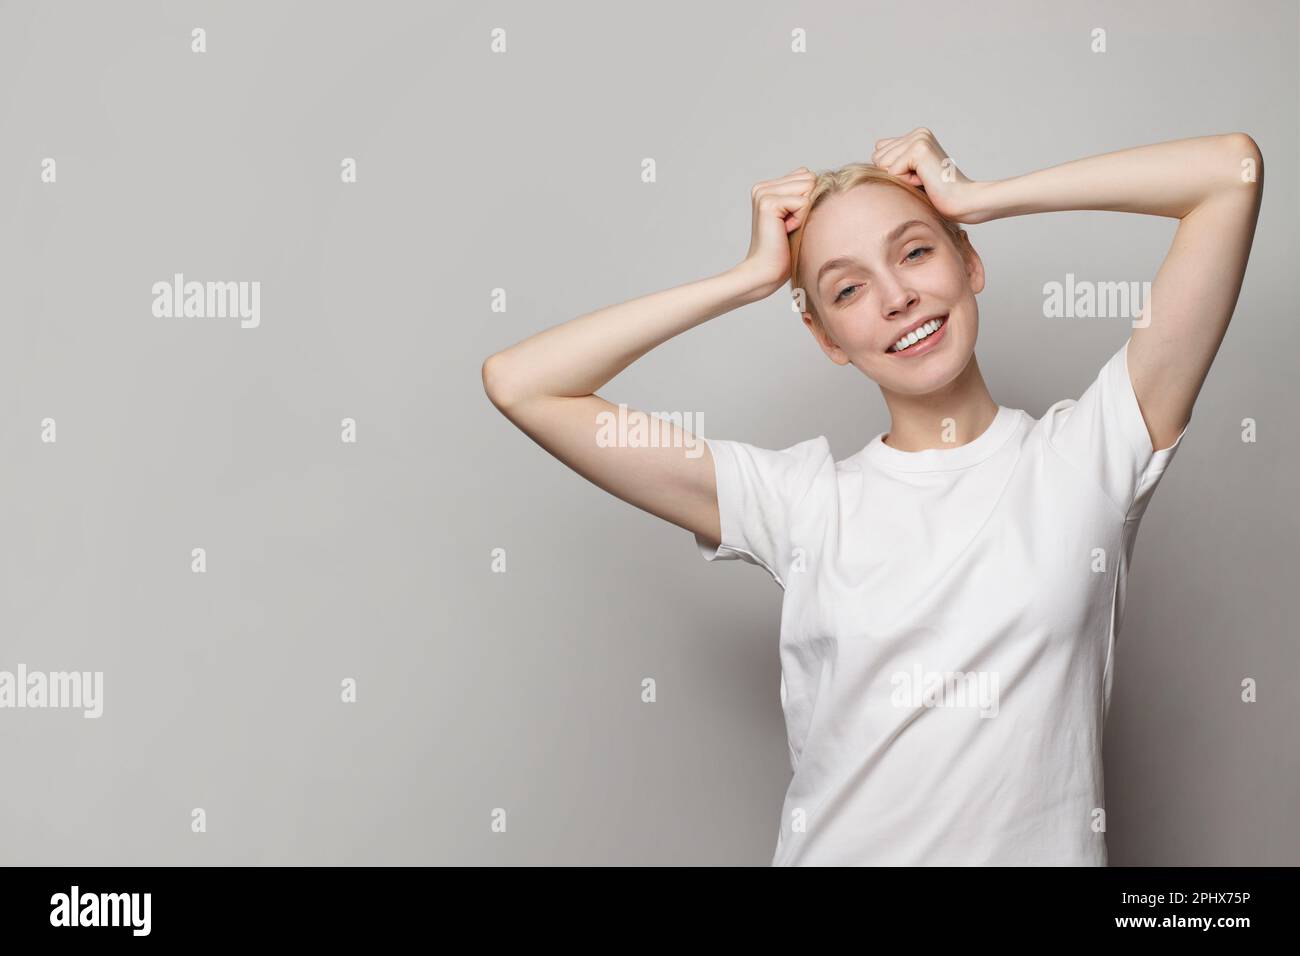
(911, 338)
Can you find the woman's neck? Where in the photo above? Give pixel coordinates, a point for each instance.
(955, 415)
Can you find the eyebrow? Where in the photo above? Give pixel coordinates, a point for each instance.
(840, 262)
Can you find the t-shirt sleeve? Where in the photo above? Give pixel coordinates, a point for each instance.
(1104, 434)
(769, 498)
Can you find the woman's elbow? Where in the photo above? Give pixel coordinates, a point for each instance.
(496, 380)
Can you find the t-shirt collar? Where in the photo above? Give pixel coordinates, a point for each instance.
(946, 459)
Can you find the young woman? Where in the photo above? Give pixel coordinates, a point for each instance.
(954, 590)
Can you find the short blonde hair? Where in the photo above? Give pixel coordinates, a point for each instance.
(834, 181)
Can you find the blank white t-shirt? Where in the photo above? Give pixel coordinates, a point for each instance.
(948, 629)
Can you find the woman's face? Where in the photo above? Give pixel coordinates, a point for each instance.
(892, 265)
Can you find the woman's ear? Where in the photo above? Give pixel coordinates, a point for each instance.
(974, 264)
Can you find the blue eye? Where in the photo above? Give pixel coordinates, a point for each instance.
(840, 297)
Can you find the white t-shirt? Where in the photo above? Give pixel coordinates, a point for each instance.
(948, 629)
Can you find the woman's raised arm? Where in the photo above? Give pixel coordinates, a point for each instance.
(546, 384)
(1212, 184)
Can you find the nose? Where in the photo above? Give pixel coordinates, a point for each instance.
(899, 301)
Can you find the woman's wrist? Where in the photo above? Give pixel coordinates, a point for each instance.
(745, 285)
(983, 202)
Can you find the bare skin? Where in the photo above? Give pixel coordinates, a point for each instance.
(896, 279)
(546, 384)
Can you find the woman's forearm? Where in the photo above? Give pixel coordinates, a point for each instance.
(579, 356)
(1163, 179)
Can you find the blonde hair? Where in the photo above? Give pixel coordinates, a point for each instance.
(834, 181)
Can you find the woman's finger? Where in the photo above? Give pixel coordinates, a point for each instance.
(904, 163)
(889, 156)
(807, 178)
(896, 143)
(803, 172)
(792, 187)
(787, 201)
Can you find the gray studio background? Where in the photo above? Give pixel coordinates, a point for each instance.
(371, 560)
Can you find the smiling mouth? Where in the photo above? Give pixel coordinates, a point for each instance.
(930, 330)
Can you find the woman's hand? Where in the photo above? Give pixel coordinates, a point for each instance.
(780, 206)
(918, 158)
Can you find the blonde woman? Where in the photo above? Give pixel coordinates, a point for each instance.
(954, 590)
